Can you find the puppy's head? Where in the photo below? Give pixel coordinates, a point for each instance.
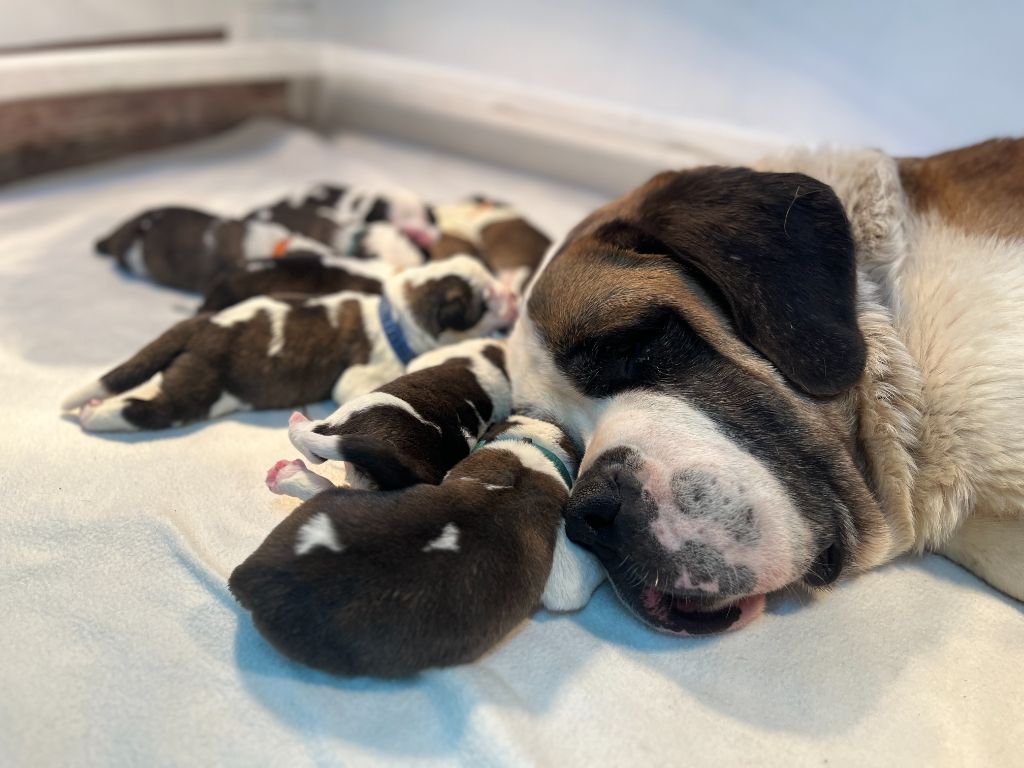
(700, 336)
(451, 300)
(406, 211)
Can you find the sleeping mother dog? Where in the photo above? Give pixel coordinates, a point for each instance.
(786, 375)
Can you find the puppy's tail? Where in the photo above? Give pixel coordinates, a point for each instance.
(140, 368)
(120, 240)
(381, 462)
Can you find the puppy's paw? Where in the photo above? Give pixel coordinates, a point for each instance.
(104, 416)
(293, 478)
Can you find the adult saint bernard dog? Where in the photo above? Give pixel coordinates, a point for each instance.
(787, 374)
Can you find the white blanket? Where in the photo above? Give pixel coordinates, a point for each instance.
(121, 645)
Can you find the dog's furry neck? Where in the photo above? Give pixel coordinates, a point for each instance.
(884, 409)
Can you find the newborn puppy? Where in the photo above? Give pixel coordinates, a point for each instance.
(281, 351)
(495, 232)
(345, 206)
(359, 239)
(188, 249)
(298, 272)
(390, 583)
(411, 430)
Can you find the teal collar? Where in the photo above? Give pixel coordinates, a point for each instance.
(546, 452)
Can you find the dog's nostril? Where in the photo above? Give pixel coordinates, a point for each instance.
(601, 512)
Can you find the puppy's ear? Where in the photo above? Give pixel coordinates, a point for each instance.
(777, 249)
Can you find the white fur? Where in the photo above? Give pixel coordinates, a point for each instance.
(107, 416)
(276, 312)
(317, 532)
(575, 574)
(297, 481)
(448, 541)
(84, 394)
(264, 238)
(383, 365)
(468, 219)
(227, 403)
(671, 435)
(387, 243)
(135, 258)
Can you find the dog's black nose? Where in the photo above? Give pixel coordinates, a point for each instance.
(598, 511)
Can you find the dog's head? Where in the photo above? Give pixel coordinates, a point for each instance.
(700, 337)
(443, 302)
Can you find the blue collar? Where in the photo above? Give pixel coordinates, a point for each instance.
(394, 332)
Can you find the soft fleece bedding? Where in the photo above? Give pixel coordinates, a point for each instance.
(121, 645)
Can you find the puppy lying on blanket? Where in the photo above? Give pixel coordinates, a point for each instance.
(327, 208)
(299, 272)
(496, 233)
(189, 249)
(411, 430)
(281, 351)
(389, 583)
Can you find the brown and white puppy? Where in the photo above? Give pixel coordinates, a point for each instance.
(188, 249)
(390, 583)
(763, 366)
(281, 351)
(327, 207)
(411, 430)
(496, 233)
(304, 272)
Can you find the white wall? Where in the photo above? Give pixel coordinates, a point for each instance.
(42, 22)
(912, 76)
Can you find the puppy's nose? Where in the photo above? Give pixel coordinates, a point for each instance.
(598, 516)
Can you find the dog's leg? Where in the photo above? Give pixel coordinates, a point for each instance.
(293, 478)
(189, 390)
(993, 549)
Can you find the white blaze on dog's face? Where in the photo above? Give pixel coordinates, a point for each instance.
(699, 338)
(450, 300)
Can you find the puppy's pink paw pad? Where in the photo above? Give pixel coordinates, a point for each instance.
(281, 471)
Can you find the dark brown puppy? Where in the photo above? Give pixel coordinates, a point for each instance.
(415, 428)
(281, 351)
(302, 272)
(390, 583)
(188, 249)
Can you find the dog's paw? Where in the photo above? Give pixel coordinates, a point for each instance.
(104, 416)
(293, 478)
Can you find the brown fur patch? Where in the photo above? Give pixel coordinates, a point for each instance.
(978, 188)
(445, 303)
(513, 244)
(450, 245)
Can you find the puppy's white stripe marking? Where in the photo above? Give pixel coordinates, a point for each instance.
(373, 400)
(227, 403)
(491, 487)
(262, 236)
(277, 313)
(447, 541)
(84, 394)
(317, 532)
(530, 457)
(136, 260)
(384, 241)
(470, 438)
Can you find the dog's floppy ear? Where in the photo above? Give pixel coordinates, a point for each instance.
(778, 249)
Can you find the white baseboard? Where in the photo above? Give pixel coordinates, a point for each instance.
(603, 146)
